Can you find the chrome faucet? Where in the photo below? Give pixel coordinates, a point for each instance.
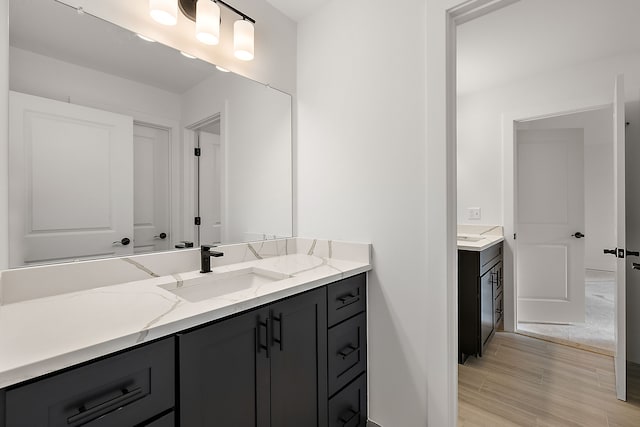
(205, 257)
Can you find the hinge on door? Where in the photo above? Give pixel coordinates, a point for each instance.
(196, 152)
(514, 236)
(197, 220)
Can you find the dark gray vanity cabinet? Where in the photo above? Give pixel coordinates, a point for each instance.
(133, 388)
(480, 283)
(297, 362)
(267, 367)
(347, 352)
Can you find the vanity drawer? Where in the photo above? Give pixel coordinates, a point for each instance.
(346, 298)
(168, 420)
(349, 407)
(122, 390)
(347, 352)
(489, 257)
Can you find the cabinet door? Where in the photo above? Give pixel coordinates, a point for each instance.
(299, 361)
(486, 308)
(224, 373)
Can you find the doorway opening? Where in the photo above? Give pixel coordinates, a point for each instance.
(209, 180)
(564, 194)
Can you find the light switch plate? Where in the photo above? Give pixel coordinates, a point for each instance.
(474, 213)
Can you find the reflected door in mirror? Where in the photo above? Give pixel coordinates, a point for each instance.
(71, 181)
(151, 188)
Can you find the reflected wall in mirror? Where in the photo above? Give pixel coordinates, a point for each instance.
(104, 132)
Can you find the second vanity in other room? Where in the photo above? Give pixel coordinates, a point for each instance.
(274, 335)
(480, 288)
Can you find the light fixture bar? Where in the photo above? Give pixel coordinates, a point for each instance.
(188, 8)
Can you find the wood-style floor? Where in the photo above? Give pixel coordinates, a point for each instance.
(523, 381)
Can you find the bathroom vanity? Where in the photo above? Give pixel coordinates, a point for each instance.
(286, 348)
(480, 293)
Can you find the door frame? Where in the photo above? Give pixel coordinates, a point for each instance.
(442, 19)
(191, 185)
(510, 197)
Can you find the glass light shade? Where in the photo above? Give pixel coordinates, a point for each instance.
(243, 40)
(208, 22)
(164, 11)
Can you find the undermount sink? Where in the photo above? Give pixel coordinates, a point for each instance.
(470, 238)
(212, 285)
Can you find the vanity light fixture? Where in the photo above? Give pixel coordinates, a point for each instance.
(164, 11)
(206, 15)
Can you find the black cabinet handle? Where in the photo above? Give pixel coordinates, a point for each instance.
(636, 266)
(86, 415)
(349, 299)
(161, 236)
(350, 418)
(633, 253)
(273, 338)
(124, 242)
(345, 352)
(578, 235)
(259, 345)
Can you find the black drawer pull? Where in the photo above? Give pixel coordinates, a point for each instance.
(273, 337)
(349, 299)
(345, 352)
(86, 415)
(259, 345)
(350, 419)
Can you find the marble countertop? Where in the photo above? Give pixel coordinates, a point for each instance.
(479, 237)
(46, 334)
(482, 242)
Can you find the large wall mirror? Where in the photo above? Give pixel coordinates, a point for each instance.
(104, 129)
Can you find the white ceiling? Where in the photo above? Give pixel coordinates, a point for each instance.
(56, 30)
(297, 9)
(536, 36)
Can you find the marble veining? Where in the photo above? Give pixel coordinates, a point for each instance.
(66, 326)
(140, 266)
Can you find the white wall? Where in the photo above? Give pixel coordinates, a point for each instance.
(51, 78)
(598, 180)
(275, 37)
(361, 177)
(480, 164)
(256, 131)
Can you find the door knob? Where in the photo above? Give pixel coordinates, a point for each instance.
(578, 235)
(633, 253)
(611, 251)
(124, 242)
(161, 236)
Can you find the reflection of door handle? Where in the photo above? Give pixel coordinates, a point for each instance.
(160, 236)
(578, 235)
(124, 242)
(636, 266)
(633, 253)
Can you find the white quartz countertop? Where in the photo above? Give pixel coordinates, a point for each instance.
(43, 335)
(477, 242)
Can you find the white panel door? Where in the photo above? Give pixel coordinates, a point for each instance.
(550, 211)
(71, 181)
(151, 193)
(620, 211)
(210, 204)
